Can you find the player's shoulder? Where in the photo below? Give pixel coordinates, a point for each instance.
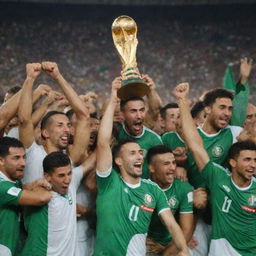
(150, 184)
(152, 134)
(221, 169)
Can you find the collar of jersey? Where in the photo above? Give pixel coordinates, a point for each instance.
(2, 175)
(239, 188)
(207, 134)
(143, 131)
(165, 189)
(132, 185)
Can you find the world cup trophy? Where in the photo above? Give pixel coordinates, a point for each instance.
(124, 33)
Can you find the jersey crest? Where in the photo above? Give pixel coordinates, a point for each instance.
(217, 150)
(148, 199)
(172, 201)
(252, 200)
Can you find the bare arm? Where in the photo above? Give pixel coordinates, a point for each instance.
(174, 229)
(104, 154)
(191, 135)
(82, 129)
(26, 128)
(35, 197)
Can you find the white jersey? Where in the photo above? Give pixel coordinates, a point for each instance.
(52, 228)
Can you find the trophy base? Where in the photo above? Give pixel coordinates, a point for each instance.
(133, 87)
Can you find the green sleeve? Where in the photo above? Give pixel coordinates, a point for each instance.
(105, 181)
(9, 194)
(161, 202)
(186, 204)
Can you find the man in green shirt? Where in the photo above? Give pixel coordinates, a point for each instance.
(125, 202)
(162, 166)
(12, 163)
(233, 194)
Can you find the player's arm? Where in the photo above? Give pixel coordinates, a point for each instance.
(26, 128)
(104, 154)
(82, 134)
(186, 221)
(35, 197)
(191, 135)
(176, 232)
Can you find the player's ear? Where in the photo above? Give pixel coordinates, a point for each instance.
(118, 161)
(232, 163)
(47, 177)
(207, 110)
(151, 168)
(45, 134)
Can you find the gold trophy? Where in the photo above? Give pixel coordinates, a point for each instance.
(124, 33)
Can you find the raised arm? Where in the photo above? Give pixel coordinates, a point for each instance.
(26, 128)
(82, 129)
(190, 133)
(104, 154)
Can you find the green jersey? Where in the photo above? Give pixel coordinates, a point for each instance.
(146, 140)
(180, 199)
(10, 193)
(233, 212)
(173, 140)
(124, 212)
(217, 146)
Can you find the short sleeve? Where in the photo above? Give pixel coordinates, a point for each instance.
(186, 205)
(161, 203)
(9, 194)
(77, 175)
(105, 180)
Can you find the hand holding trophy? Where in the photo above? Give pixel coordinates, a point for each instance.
(124, 33)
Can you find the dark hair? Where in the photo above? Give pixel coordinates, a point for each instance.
(211, 96)
(70, 113)
(237, 147)
(124, 102)
(55, 160)
(159, 149)
(116, 149)
(8, 142)
(197, 108)
(14, 90)
(167, 106)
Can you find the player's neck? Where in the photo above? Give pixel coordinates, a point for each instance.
(240, 181)
(130, 179)
(208, 128)
(49, 147)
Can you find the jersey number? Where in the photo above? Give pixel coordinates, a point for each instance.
(226, 205)
(133, 214)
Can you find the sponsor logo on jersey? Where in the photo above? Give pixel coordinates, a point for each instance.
(172, 201)
(249, 209)
(252, 200)
(147, 208)
(13, 191)
(148, 199)
(217, 150)
(226, 188)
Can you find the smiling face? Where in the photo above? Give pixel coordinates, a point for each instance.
(134, 114)
(13, 164)
(130, 160)
(60, 179)
(162, 169)
(171, 118)
(244, 166)
(57, 131)
(219, 113)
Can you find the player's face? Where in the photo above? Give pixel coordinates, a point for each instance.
(244, 166)
(94, 127)
(171, 118)
(219, 114)
(134, 114)
(251, 115)
(131, 160)
(162, 169)
(60, 179)
(13, 164)
(58, 131)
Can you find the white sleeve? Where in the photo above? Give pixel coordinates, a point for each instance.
(235, 130)
(77, 176)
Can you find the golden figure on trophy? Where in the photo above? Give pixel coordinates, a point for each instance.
(124, 33)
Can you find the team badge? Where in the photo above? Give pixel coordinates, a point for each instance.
(252, 200)
(172, 201)
(217, 151)
(148, 199)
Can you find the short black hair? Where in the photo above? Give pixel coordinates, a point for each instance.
(167, 106)
(117, 148)
(14, 90)
(70, 113)
(55, 160)
(159, 149)
(211, 96)
(197, 108)
(46, 118)
(237, 147)
(8, 142)
(124, 102)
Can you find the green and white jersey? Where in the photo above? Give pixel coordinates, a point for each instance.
(217, 146)
(173, 140)
(146, 140)
(233, 213)
(52, 227)
(180, 199)
(124, 212)
(10, 193)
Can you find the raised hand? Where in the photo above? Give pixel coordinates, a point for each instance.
(149, 81)
(33, 70)
(51, 69)
(245, 67)
(181, 91)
